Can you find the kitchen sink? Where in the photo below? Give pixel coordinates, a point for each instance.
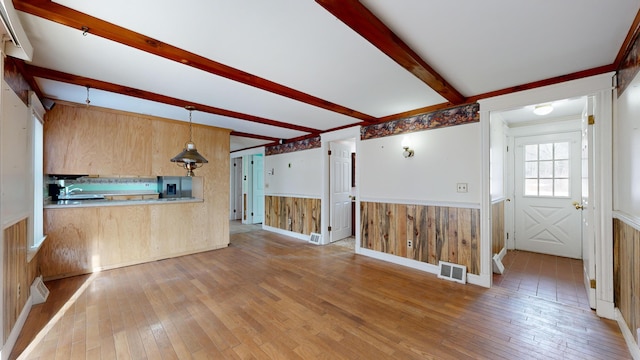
(81, 197)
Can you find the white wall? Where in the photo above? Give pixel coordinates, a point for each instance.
(626, 143)
(443, 158)
(296, 174)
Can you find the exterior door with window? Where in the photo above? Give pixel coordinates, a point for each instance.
(548, 182)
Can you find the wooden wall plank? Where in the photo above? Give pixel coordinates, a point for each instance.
(497, 227)
(635, 299)
(464, 237)
(401, 225)
(15, 278)
(441, 223)
(430, 254)
(412, 232)
(475, 242)
(452, 235)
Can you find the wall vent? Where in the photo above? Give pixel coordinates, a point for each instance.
(315, 238)
(453, 272)
(39, 291)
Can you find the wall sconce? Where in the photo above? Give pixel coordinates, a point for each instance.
(406, 144)
(189, 158)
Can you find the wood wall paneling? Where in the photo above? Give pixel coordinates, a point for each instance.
(80, 140)
(299, 215)
(438, 233)
(627, 272)
(16, 282)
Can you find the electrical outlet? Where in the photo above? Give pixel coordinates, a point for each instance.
(462, 187)
(289, 221)
(409, 243)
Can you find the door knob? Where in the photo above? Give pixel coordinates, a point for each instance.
(578, 205)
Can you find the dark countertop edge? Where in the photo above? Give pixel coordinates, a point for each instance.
(105, 203)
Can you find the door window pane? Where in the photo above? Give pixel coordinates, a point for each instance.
(531, 152)
(561, 150)
(561, 187)
(561, 169)
(545, 187)
(547, 169)
(531, 187)
(531, 170)
(546, 152)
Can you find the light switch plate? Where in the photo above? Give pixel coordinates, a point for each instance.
(462, 187)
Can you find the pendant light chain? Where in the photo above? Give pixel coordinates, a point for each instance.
(190, 127)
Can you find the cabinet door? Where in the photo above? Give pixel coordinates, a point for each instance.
(78, 141)
(132, 146)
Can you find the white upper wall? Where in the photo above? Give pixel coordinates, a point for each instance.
(296, 174)
(443, 158)
(626, 144)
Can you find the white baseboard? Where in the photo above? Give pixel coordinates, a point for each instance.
(628, 336)
(286, 232)
(502, 253)
(15, 332)
(418, 265)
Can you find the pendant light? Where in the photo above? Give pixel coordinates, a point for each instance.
(189, 158)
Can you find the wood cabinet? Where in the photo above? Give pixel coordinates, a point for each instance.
(83, 141)
(94, 141)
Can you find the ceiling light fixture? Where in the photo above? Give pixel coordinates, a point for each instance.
(543, 109)
(189, 158)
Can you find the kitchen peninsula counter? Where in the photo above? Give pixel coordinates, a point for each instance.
(66, 204)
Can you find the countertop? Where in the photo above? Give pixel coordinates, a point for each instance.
(66, 204)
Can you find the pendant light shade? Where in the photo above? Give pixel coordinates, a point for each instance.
(189, 158)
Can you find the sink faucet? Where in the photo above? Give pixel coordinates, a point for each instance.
(69, 190)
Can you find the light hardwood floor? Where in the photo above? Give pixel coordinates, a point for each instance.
(268, 296)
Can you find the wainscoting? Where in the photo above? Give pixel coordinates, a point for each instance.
(626, 272)
(300, 215)
(16, 282)
(497, 227)
(437, 232)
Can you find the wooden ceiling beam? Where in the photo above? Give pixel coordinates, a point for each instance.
(551, 81)
(60, 14)
(254, 136)
(36, 71)
(364, 22)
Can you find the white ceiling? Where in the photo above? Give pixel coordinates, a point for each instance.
(476, 46)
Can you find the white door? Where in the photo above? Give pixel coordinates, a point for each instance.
(586, 207)
(258, 189)
(547, 183)
(340, 190)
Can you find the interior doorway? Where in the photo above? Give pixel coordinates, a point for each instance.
(542, 184)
